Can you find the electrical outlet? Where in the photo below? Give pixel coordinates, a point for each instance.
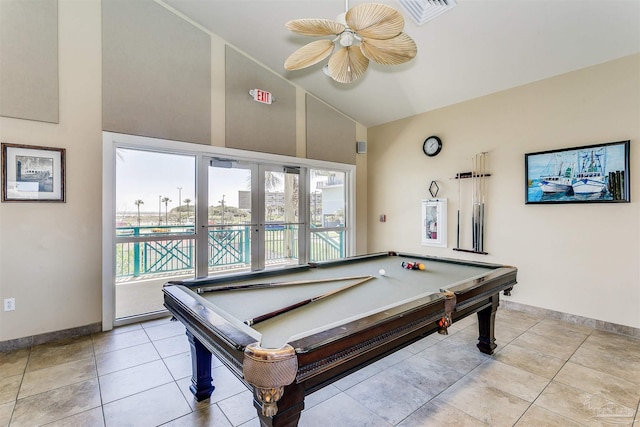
(9, 304)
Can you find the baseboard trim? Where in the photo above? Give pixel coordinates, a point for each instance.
(33, 340)
(572, 318)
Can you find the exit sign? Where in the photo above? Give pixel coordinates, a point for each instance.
(262, 96)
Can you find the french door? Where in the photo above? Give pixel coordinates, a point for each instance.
(250, 216)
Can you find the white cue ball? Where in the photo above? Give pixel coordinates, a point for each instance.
(382, 272)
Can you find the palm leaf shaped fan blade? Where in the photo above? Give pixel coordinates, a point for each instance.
(309, 54)
(397, 50)
(376, 21)
(315, 27)
(380, 28)
(347, 64)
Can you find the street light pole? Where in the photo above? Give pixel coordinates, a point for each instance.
(160, 210)
(222, 203)
(179, 205)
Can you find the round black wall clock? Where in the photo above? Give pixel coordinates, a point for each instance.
(432, 146)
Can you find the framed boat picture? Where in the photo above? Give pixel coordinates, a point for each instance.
(588, 174)
(32, 174)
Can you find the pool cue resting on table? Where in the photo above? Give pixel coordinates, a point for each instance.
(275, 313)
(249, 286)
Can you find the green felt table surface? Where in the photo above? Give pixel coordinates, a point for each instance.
(397, 286)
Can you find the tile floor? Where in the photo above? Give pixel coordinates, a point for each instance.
(544, 373)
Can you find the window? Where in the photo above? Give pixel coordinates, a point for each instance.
(328, 208)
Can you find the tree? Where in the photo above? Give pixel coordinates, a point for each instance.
(166, 201)
(138, 203)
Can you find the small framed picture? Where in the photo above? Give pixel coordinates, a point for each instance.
(589, 174)
(434, 222)
(32, 174)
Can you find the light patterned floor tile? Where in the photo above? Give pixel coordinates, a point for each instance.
(341, 410)
(540, 417)
(179, 365)
(9, 388)
(612, 388)
(509, 379)
(56, 404)
(239, 408)
(552, 346)
(6, 409)
(59, 352)
(165, 330)
(149, 408)
(106, 342)
(90, 418)
(134, 380)
(13, 362)
(516, 319)
(400, 390)
(56, 376)
(610, 363)
(440, 414)
(620, 345)
(319, 396)
(209, 416)
(582, 407)
(128, 357)
(172, 346)
(461, 358)
(485, 403)
(530, 360)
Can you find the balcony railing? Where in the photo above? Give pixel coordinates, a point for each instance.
(229, 247)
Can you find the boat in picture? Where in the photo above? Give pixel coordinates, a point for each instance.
(590, 178)
(558, 177)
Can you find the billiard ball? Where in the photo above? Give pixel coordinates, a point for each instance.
(421, 266)
(382, 272)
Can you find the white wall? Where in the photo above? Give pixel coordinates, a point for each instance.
(50, 252)
(581, 259)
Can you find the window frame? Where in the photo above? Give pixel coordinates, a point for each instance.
(113, 141)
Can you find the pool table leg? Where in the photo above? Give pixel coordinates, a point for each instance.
(486, 326)
(289, 408)
(201, 381)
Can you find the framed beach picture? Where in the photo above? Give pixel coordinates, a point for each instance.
(32, 174)
(588, 174)
(434, 222)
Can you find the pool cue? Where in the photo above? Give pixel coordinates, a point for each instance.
(249, 286)
(473, 211)
(481, 203)
(288, 308)
(459, 201)
(474, 202)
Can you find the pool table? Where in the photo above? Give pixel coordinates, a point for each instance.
(348, 314)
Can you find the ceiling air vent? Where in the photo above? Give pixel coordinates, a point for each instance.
(425, 10)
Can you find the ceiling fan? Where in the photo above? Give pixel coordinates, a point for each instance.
(369, 31)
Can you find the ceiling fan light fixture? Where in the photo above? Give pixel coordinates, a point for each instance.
(369, 31)
(346, 38)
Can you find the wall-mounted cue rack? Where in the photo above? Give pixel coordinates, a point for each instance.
(478, 191)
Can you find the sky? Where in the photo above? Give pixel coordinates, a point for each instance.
(150, 176)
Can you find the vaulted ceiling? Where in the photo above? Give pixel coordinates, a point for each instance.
(476, 48)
